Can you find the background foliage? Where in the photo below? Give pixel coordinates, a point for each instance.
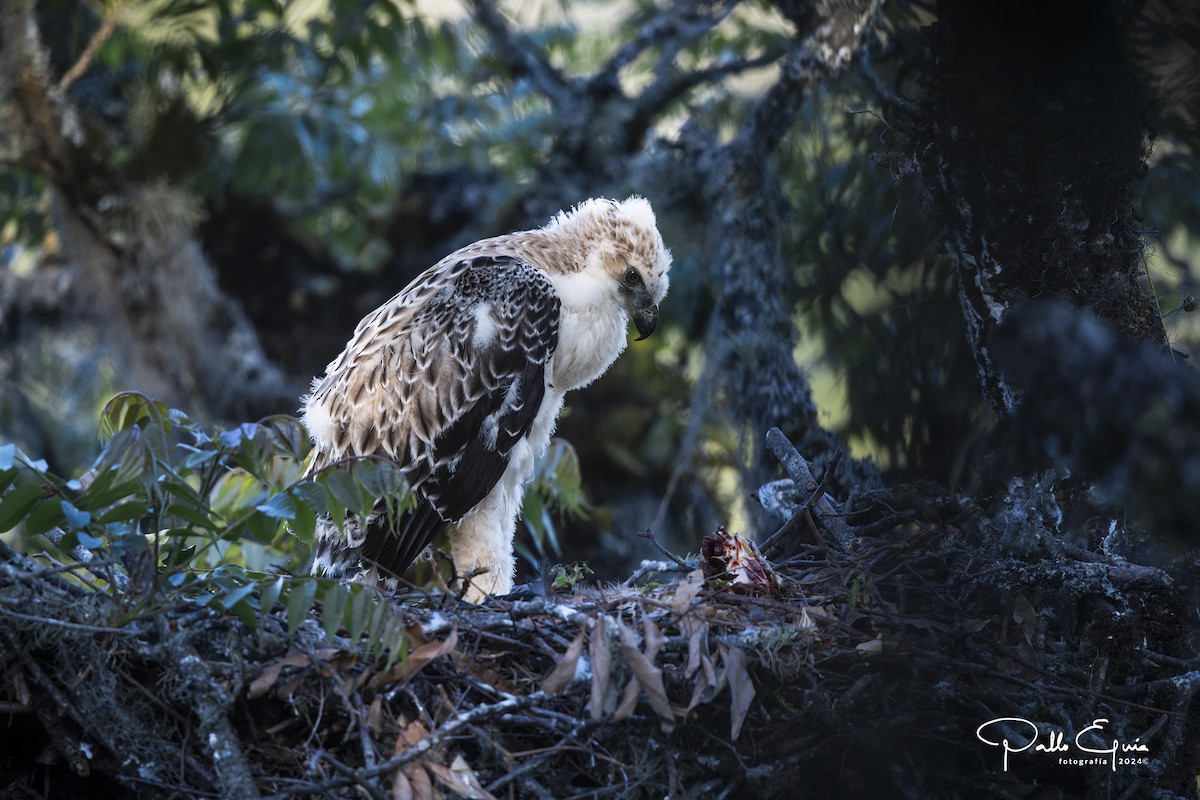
(325, 152)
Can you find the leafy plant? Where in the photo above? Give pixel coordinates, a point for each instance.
(556, 486)
(169, 513)
(215, 517)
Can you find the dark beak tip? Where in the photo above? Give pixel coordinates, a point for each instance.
(645, 321)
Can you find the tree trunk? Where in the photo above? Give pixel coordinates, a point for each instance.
(1032, 143)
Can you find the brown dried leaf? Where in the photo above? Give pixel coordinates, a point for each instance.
(697, 646)
(741, 688)
(18, 686)
(288, 689)
(654, 638)
(460, 779)
(685, 593)
(418, 658)
(560, 677)
(401, 788)
(422, 784)
(644, 672)
(430, 651)
(601, 668)
(1025, 616)
(410, 734)
(872, 646)
(708, 685)
(628, 700)
(375, 715)
(270, 674)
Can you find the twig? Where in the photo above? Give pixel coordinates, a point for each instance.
(98, 38)
(522, 56)
(536, 761)
(671, 30)
(800, 471)
(818, 493)
(649, 534)
(75, 626)
(87, 560)
(469, 717)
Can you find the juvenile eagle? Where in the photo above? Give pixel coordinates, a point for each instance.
(459, 379)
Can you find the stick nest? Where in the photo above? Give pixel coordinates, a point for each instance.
(891, 632)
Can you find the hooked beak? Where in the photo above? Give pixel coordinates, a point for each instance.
(645, 319)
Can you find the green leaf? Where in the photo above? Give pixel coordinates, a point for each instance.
(299, 602)
(104, 490)
(356, 614)
(128, 454)
(42, 518)
(235, 595)
(313, 495)
(380, 478)
(333, 603)
(236, 493)
(6, 478)
(394, 640)
(270, 595)
(245, 611)
(194, 513)
(375, 617)
(87, 541)
(74, 517)
(348, 492)
(135, 509)
(17, 504)
(234, 438)
(304, 525)
(280, 506)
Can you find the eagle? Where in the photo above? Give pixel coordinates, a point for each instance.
(459, 380)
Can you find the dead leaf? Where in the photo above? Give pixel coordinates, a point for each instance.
(1025, 616)
(654, 638)
(418, 658)
(562, 674)
(708, 685)
(741, 688)
(411, 779)
(460, 779)
(401, 788)
(375, 715)
(685, 593)
(648, 676)
(422, 784)
(430, 651)
(873, 646)
(266, 679)
(697, 646)
(628, 700)
(601, 668)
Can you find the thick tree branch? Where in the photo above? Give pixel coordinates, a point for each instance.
(521, 57)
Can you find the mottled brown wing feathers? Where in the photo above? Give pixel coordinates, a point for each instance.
(445, 383)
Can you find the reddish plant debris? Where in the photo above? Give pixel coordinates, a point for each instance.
(735, 557)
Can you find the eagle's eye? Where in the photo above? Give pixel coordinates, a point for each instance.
(632, 277)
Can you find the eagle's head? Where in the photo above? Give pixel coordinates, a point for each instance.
(619, 243)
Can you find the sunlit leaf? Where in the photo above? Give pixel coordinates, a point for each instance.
(280, 506)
